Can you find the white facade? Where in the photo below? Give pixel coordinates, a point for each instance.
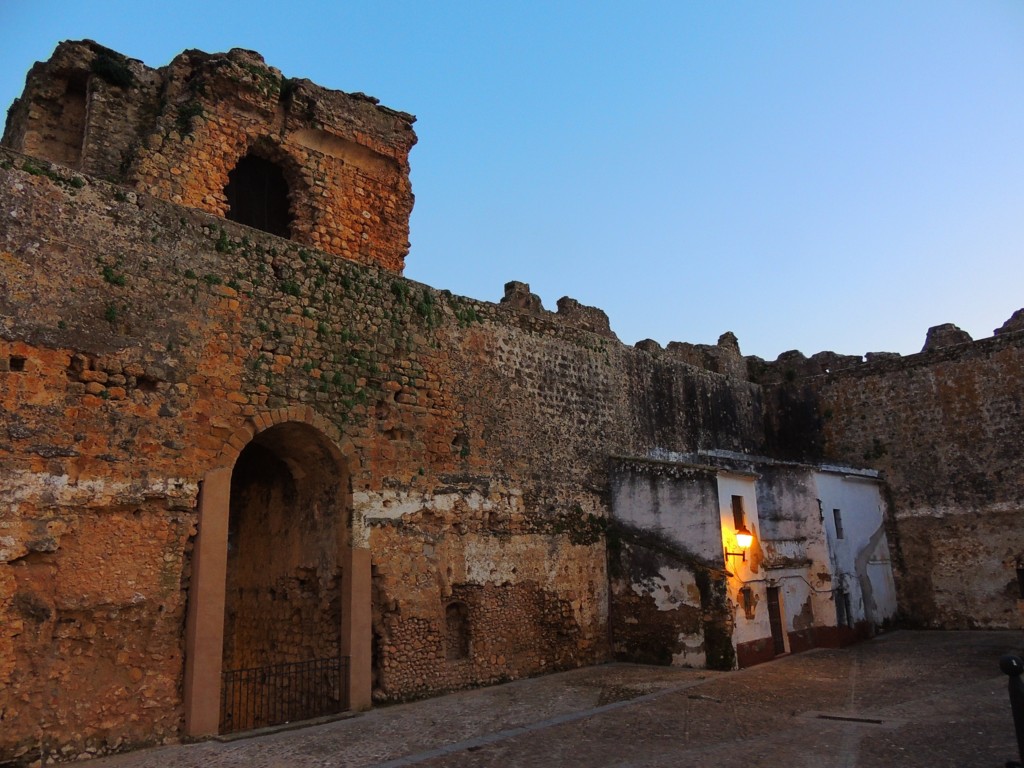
(854, 520)
(746, 583)
(818, 571)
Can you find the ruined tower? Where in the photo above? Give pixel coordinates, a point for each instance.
(226, 134)
(233, 436)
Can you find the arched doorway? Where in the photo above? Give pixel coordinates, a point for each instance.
(257, 195)
(282, 602)
(278, 621)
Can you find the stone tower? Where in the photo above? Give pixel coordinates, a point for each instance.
(229, 135)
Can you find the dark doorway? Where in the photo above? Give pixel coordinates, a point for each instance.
(457, 621)
(282, 611)
(844, 613)
(257, 196)
(775, 620)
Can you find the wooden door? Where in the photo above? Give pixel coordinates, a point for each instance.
(775, 620)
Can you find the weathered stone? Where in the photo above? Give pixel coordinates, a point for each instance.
(1015, 323)
(464, 448)
(588, 318)
(944, 335)
(177, 132)
(518, 296)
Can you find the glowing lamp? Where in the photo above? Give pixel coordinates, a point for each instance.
(744, 539)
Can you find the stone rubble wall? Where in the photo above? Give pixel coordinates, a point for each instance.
(136, 339)
(176, 133)
(944, 426)
(140, 333)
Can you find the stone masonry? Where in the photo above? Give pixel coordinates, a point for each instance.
(468, 450)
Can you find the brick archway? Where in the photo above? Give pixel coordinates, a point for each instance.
(204, 645)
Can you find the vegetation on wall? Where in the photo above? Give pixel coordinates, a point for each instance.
(113, 69)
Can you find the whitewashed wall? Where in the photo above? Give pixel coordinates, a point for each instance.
(860, 560)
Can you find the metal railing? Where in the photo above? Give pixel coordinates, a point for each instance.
(282, 693)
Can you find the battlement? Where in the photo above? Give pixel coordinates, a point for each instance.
(227, 134)
(221, 449)
(943, 341)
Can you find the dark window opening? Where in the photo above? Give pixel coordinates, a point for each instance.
(1020, 579)
(456, 617)
(838, 517)
(69, 132)
(16, 363)
(844, 613)
(747, 602)
(257, 196)
(739, 517)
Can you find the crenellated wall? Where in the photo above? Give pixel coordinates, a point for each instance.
(139, 338)
(518, 479)
(944, 426)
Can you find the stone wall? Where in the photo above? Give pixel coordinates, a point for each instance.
(944, 427)
(179, 131)
(138, 337)
(668, 578)
(143, 337)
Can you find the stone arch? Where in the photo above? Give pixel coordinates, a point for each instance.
(304, 452)
(265, 190)
(267, 419)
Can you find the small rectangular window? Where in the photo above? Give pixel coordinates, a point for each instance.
(747, 601)
(739, 518)
(838, 517)
(842, 608)
(16, 363)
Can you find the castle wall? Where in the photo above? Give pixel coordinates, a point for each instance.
(137, 340)
(467, 446)
(944, 427)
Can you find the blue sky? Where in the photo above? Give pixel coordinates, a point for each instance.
(809, 175)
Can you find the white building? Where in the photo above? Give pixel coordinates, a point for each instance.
(814, 569)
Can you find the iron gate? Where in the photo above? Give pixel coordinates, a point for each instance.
(283, 693)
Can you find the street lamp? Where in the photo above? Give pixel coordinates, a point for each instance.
(744, 539)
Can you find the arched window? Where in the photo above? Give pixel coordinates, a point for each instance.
(257, 196)
(64, 134)
(456, 617)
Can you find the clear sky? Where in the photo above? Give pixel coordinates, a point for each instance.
(810, 175)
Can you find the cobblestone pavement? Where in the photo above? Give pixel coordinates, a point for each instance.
(903, 699)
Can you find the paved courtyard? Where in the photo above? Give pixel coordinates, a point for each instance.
(903, 699)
